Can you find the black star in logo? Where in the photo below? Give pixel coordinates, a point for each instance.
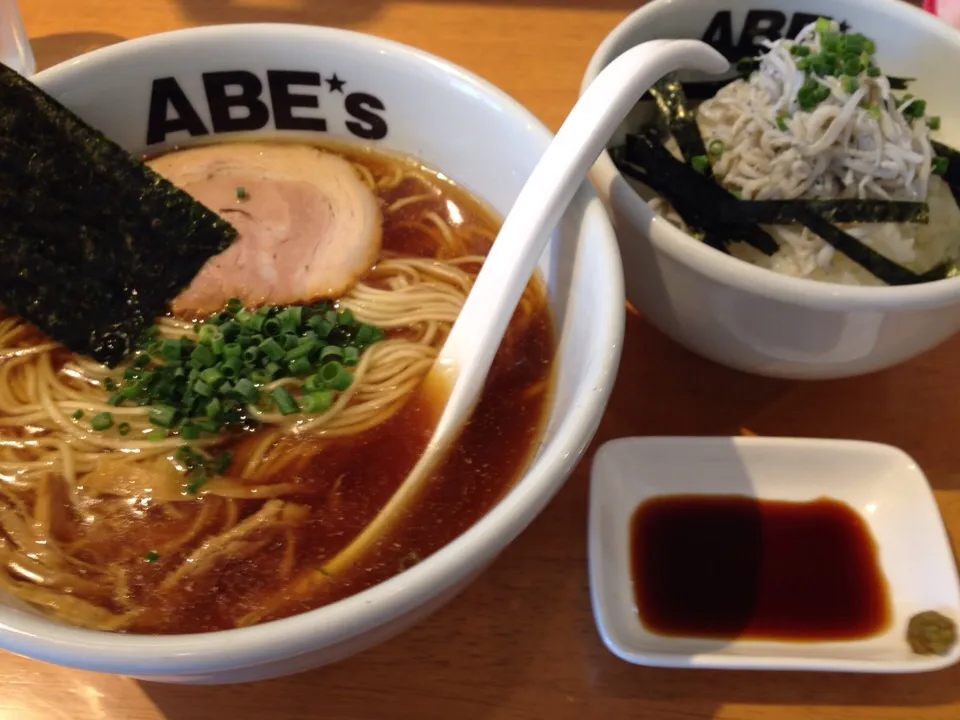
(336, 84)
(844, 26)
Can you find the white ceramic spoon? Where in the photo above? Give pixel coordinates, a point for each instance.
(465, 358)
(15, 50)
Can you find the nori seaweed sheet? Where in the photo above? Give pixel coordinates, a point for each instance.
(679, 118)
(94, 244)
(784, 212)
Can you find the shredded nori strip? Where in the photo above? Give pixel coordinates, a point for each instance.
(866, 257)
(710, 209)
(693, 195)
(94, 244)
(783, 212)
(679, 118)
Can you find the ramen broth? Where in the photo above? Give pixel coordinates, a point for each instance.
(341, 482)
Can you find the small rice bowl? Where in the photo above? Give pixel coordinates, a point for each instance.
(856, 139)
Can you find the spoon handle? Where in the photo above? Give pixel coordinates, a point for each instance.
(467, 354)
(474, 339)
(15, 50)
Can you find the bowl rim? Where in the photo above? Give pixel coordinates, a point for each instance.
(221, 651)
(683, 248)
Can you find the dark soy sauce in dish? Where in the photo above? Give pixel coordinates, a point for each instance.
(726, 566)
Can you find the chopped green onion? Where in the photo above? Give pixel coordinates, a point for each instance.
(331, 352)
(715, 147)
(213, 408)
(940, 165)
(271, 348)
(222, 463)
(346, 318)
(208, 333)
(212, 376)
(272, 369)
(284, 400)
(188, 430)
(202, 356)
(351, 355)
(78, 414)
(800, 50)
(241, 192)
(170, 349)
(782, 122)
(197, 482)
(335, 376)
(313, 384)
(830, 40)
(152, 556)
(933, 122)
(290, 318)
(300, 366)
(256, 322)
(203, 381)
(231, 367)
(365, 334)
(272, 327)
(822, 25)
(260, 377)
(162, 415)
(232, 350)
(317, 402)
(854, 43)
(247, 390)
(101, 421)
(303, 349)
(123, 428)
(320, 326)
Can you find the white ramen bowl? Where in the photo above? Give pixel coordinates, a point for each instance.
(400, 99)
(754, 319)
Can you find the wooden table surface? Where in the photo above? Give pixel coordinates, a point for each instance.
(520, 642)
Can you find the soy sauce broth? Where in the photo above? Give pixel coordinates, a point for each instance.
(725, 567)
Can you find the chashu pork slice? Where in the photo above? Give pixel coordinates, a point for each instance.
(307, 226)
